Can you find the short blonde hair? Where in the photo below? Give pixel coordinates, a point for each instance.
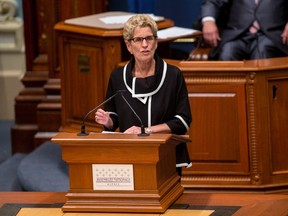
(138, 20)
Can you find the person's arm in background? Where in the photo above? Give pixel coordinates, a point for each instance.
(210, 10)
(210, 31)
(284, 35)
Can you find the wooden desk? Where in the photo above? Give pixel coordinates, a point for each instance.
(251, 204)
(240, 123)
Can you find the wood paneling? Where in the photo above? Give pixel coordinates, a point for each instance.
(239, 124)
(38, 105)
(217, 114)
(278, 107)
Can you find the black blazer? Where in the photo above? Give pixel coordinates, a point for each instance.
(272, 16)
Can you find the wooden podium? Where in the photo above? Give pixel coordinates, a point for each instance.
(152, 187)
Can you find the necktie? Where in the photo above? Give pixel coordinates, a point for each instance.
(255, 25)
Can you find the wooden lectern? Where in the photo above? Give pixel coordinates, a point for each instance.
(152, 187)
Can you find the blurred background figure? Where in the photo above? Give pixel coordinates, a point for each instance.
(245, 29)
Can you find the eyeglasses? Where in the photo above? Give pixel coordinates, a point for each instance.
(139, 40)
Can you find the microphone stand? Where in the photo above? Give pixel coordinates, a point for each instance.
(142, 126)
(83, 127)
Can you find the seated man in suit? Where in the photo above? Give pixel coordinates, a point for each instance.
(253, 30)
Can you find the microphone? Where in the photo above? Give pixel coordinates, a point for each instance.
(141, 123)
(83, 127)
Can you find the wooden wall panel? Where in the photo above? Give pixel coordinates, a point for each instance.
(218, 137)
(38, 105)
(86, 84)
(239, 125)
(278, 107)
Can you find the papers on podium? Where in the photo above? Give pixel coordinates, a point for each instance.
(106, 20)
(116, 19)
(121, 19)
(175, 32)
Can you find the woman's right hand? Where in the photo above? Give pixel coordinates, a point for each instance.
(102, 117)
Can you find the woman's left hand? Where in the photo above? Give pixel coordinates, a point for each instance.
(133, 130)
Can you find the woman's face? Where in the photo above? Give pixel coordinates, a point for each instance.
(143, 44)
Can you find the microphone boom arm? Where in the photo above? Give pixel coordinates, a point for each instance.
(83, 127)
(142, 126)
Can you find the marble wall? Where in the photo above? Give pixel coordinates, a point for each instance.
(12, 55)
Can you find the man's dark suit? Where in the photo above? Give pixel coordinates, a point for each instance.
(272, 16)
